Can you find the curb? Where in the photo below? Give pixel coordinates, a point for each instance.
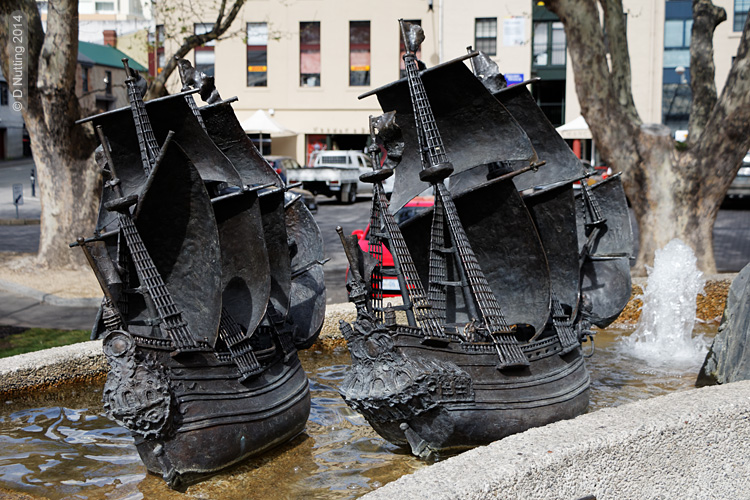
(48, 298)
(19, 222)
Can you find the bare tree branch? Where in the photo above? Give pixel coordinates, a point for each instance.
(728, 125)
(614, 23)
(706, 16)
(220, 27)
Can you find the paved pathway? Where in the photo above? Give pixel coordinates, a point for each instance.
(23, 310)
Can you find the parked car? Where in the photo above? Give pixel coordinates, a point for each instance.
(337, 179)
(414, 207)
(351, 158)
(740, 187)
(281, 164)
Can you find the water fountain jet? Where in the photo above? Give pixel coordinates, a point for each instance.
(663, 337)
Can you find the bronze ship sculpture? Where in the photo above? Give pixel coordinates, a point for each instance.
(500, 281)
(212, 279)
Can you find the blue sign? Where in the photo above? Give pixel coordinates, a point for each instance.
(513, 78)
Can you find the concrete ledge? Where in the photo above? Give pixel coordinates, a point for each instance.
(687, 445)
(75, 362)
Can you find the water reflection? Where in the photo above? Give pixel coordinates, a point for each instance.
(59, 445)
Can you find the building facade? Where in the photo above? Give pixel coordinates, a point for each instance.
(100, 78)
(12, 129)
(305, 62)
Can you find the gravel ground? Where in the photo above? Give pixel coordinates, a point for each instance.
(22, 269)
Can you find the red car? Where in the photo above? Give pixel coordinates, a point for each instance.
(390, 282)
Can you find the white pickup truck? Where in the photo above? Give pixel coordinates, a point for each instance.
(336, 173)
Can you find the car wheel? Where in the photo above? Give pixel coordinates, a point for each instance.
(352, 194)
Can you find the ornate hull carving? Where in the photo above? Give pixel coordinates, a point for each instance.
(474, 403)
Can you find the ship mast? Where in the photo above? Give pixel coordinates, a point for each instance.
(482, 305)
(152, 284)
(418, 308)
(146, 139)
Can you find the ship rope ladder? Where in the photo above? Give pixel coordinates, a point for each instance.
(563, 326)
(375, 248)
(240, 348)
(171, 317)
(415, 292)
(502, 335)
(146, 140)
(438, 263)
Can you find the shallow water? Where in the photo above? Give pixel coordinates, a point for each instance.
(59, 445)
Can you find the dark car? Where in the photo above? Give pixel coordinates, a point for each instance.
(740, 187)
(280, 164)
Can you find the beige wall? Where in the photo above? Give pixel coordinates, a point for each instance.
(334, 108)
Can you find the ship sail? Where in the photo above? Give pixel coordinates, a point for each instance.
(453, 91)
(605, 252)
(510, 253)
(508, 354)
(449, 244)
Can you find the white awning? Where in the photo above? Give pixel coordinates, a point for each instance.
(262, 123)
(575, 129)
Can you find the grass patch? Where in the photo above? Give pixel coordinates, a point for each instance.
(36, 339)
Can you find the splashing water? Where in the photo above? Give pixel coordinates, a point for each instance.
(663, 337)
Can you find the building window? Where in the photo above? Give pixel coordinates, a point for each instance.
(84, 78)
(549, 44)
(485, 35)
(156, 50)
(741, 8)
(309, 54)
(359, 53)
(104, 7)
(257, 54)
(677, 42)
(3, 93)
(676, 93)
(402, 48)
(204, 55)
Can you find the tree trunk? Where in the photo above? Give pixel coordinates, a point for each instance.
(69, 189)
(667, 201)
(674, 193)
(63, 151)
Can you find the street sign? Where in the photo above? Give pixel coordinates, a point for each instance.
(18, 194)
(513, 78)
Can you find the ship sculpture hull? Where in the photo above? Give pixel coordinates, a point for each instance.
(449, 396)
(498, 289)
(212, 277)
(215, 420)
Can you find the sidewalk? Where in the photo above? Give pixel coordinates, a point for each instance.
(18, 172)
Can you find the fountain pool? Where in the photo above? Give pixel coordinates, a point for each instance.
(59, 445)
